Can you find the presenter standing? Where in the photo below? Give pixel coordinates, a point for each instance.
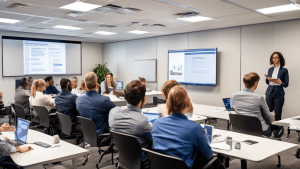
(277, 78)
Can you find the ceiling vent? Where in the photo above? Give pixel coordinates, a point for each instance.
(74, 14)
(187, 14)
(107, 26)
(158, 25)
(138, 24)
(108, 8)
(126, 11)
(17, 5)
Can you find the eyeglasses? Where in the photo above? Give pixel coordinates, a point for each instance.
(275, 58)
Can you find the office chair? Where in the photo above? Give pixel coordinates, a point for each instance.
(90, 137)
(130, 152)
(66, 127)
(248, 125)
(45, 120)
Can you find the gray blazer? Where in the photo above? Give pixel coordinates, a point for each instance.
(247, 102)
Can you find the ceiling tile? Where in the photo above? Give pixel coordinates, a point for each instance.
(259, 4)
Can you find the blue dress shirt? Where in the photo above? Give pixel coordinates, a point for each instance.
(179, 137)
(66, 104)
(96, 107)
(51, 90)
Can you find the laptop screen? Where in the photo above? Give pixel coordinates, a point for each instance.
(22, 130)
(209, 131)
(227, 103)
(119, 84)
(151, 116)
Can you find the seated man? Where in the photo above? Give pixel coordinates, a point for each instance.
(130, 120)
(178, 136)
(93, 105)
(74, 85)
(50, 88)
(66, 103)
(247, 102)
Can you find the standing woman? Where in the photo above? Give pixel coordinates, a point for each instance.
(277, 78)
(109, 84)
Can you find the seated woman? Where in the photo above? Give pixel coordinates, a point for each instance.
(22, 95)
(38, 98)
(177, 136)
(108, 85)
(165, 89)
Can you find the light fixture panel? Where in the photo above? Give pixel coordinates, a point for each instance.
(105, 33)
(80, 6)
(138, 32)
(11, 21)
(279, 9)
(66, 27)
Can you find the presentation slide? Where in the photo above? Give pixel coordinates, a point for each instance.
(193, 66)
(44, 57)
(31, 56)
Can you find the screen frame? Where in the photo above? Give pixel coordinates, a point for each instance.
(42, 40)
(182, 50)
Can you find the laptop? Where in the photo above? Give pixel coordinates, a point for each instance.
(227, 104)
(21, 132)
(152, 117)
(209, 131)
(119, 84)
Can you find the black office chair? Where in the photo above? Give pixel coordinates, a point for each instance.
(45, 121)
(130, 152)
(248, 125)
(90, 137)
(66, 127)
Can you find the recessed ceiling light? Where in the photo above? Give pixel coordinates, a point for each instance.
(138, 32)
(66, 27)
(196, 18)
(80, 6)
(278, 9)
(105, 33)
(12, 21)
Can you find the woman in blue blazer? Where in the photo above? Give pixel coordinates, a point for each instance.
(277, 78)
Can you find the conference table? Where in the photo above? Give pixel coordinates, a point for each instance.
(292, 123)
(151, 94)
(256, 152)
(41, 155)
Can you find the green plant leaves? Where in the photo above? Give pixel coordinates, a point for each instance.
(101, 71)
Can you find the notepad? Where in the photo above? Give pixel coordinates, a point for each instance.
(220, 145)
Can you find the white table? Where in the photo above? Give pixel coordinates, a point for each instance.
(41, 155)
(196, 118)
(117, 101)
(150, 95)
(256, 152)
(290, 124)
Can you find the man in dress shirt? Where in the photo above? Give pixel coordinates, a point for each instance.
(74, 85)
(130, 120)
(66, 103)
(94, 106)
(51, 89)
(247, 102)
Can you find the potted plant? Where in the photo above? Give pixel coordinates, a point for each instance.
(101, 71)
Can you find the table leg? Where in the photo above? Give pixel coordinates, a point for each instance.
(289, 132)
(74, 163)
(243, 164)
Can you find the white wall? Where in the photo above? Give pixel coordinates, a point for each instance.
(91, 57)
(240, 50)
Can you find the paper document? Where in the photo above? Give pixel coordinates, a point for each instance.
(220, 145)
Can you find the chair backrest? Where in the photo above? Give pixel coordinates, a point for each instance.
(246, 124)
(89, 131)
(130, 153)
(43, 114)
(158, 161)
(19, 111)
(66, 123)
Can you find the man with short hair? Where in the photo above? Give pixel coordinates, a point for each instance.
(130, 120)
(66, 101)
(94, 106)
(51, 89)
(247, 102)
(74, 85)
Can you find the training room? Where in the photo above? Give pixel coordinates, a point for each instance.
(207, 84)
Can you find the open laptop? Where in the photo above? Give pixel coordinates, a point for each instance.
(119, 84)
(227, 104)
(151, 116)
(209, 131)
(21, 132)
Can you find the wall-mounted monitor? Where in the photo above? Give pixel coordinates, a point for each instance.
(29, 56)
(193, 66)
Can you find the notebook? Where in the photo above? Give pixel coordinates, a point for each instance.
(21, 132)
(151, 116)
(227, 104)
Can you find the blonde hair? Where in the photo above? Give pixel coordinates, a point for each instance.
(178, 101)
(36, 84)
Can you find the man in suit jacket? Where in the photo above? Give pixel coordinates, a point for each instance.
(247, 102)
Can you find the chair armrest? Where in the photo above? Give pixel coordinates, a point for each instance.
(210, 162)
(105, 134)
